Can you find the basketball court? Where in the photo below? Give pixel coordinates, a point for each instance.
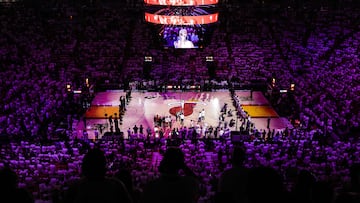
(144, 106)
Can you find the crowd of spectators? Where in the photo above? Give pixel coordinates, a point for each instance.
(44, 49)
(47, 172)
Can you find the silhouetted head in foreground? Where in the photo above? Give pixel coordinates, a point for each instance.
(9, 190)
(8, 179)
(94, 164)
(238, 157)
(172, 161)
(265, 185)
(355, 177)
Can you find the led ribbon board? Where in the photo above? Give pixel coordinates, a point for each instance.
(181, 20)
(181, 2)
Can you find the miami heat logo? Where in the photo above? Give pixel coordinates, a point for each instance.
(188, 109)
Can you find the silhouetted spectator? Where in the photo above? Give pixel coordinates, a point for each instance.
(9, 191)
(126, 177)
(170, 186)
(233, 182)
(355, 178)
(323, 192)
(304, 187)
(265, 185)
(94, 186)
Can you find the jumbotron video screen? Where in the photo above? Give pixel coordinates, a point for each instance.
(181, 24)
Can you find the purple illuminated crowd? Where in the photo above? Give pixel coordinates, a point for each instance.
(44, 49)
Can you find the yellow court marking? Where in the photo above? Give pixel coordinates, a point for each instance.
(100, 111)
(260, 111)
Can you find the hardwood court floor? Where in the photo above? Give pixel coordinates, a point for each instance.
(143, 106)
